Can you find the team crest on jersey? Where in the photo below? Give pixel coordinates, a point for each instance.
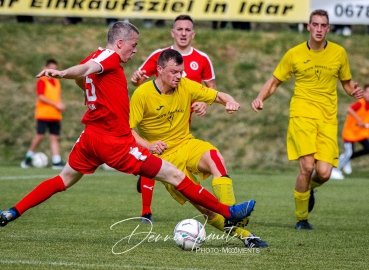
(194, 65)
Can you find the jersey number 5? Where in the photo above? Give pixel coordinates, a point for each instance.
(90, 91)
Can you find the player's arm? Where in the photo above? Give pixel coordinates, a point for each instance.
(60, 106)
(352, 88)
(268, 89)
(40, 95)
(211, 84)
(354, 114)
(138, 77)
(228, 101)
(199, 108)
(156, 148)
(81, 83)
(75, 72)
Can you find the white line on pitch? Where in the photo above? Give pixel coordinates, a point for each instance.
(47, 176)
(89, 265)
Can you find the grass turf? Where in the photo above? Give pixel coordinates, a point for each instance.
(74, 229)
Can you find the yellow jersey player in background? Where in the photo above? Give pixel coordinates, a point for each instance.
(160, 110)
(312, 130)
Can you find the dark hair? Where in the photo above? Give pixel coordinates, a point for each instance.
(121, 30)
(170, 54)
(183, 17)
(366, 86)
(51, 61)
(319, 12)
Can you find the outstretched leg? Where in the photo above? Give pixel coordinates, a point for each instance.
(41, 193)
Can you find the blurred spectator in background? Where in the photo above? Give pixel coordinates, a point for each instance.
(48, 115)
(72, 20)
(355, 130)
(147, 23)
(222, 24)
(25, 19)
(235, 25)
(344, 30)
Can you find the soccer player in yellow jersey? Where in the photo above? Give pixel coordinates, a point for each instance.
(312, 131)
(160, 110)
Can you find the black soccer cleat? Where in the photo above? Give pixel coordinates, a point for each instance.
(253, 241)
(311, 200)
(147, 218)
(303, 225)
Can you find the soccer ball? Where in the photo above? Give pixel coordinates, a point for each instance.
(40, 160)
(189, 234)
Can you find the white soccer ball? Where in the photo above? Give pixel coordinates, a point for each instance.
(189, 234)
(40, 160)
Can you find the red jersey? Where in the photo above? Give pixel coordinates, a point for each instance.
(197, 65)
(107, 95)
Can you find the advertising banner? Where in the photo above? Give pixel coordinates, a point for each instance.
(344, 11)
(222, 10)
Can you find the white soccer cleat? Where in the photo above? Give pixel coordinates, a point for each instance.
(336, 174)
(347, 168)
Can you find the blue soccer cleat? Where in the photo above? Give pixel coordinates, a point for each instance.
(7, 216)
(242, 210)
(239, 215)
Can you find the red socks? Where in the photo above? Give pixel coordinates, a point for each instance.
(147, 190)
(40, 194)
(201, 196)
(214, 156)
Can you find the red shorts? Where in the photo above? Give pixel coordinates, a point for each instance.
(121, 153)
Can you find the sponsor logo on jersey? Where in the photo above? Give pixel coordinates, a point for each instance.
(194, 65)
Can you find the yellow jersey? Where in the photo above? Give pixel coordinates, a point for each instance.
(165, 117)
(316, 74)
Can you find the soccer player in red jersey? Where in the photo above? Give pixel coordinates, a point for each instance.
(107, 137)
(197, 67)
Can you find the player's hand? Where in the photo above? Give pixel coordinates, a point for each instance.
(137, 76)
(358, 92)
(50, 73)
(232, 106)
(199, 108)
(257, 105)
(158, 147)
(61, 107)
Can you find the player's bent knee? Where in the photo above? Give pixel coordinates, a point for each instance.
(324, 175)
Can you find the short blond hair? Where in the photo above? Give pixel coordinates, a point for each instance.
(319, 12)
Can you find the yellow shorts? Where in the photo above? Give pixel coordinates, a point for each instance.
(186, 158)
(307, 136)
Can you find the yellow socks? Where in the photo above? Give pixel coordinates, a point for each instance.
(302, 203)
(218, 222)
(223, 190)
(314, 184)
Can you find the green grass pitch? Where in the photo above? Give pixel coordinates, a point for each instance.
(73, 229)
